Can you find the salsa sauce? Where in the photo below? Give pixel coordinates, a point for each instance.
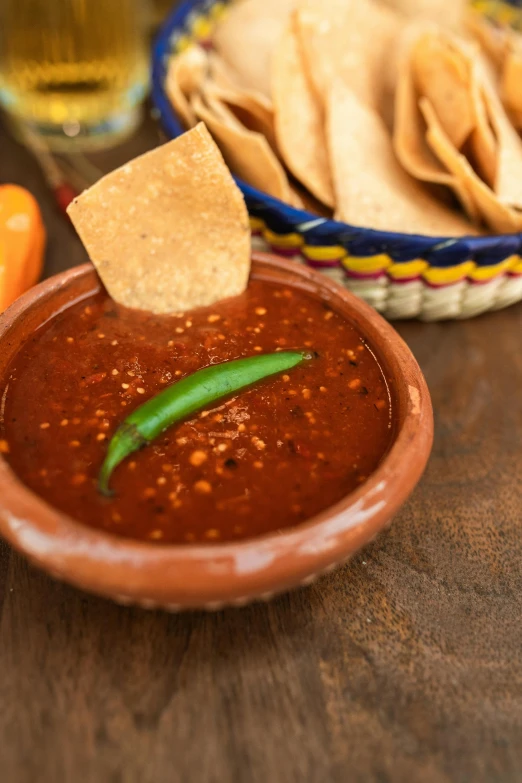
(268, 458)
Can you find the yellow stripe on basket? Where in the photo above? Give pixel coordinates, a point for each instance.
(367, 264)
(405, 269)
(202, 28)
(256, 224)
(325, 253)
(517, 269)
(183, 43)
(494, 270)
(217, 12)
(501, 12)
(282, 240)
(449, 274)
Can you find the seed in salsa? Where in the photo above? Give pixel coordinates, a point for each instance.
(268, 458)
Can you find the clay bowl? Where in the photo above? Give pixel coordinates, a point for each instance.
(211, 576)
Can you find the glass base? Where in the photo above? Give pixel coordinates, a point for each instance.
(80, 137)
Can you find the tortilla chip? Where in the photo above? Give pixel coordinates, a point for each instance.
(511, 80)
(449, 73)
(411, 148)
(442, 72)
(347, 39)
(508, 180)
(184, 76)
(447, 13)
(248, 154)
(497, 216)
(483, 142)
(221, 73)
(492, 39)
(372, 189)
(169, 231)
(251, 108)
(247, 36)
(299, 120)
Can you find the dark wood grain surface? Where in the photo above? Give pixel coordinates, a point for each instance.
(405, 665)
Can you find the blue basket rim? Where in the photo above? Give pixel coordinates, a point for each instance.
(443, 250)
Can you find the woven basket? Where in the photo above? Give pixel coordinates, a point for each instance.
(401, 275)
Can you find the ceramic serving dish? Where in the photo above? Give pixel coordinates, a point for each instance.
(213, 575)
(401, 275)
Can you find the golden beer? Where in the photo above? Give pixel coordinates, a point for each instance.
(74, 69)
(161, 9)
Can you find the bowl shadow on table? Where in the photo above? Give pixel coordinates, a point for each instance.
(235, 634)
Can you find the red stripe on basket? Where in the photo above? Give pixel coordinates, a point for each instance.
(365, 276)
(322, 264)
(288, 252)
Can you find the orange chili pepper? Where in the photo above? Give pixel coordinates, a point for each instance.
(22, 243)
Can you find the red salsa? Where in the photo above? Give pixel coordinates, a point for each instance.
(268, 458)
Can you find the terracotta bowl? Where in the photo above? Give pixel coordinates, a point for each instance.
(211, 576)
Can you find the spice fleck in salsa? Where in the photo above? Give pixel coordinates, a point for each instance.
(270, 457)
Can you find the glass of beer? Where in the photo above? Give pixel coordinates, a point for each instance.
(161, 9)
(74, 71)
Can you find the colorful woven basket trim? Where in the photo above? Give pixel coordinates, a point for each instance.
(374, 262)
(503, 13)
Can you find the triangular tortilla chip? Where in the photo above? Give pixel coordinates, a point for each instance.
(185, 74)
(412, 149)
(247, 36)
(508, 180)
(251, 108)
(483, 142)
(492, 39)
(447, 13)
(221, 73)
(511, 79)
(446, 71)
(299, 119)
(168, 231)
(372, 189)
(247, 153)
(442, 72)
(350, 40)
(497, 216)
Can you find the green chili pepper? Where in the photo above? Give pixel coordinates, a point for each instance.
(185, 397)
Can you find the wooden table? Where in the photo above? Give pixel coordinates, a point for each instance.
(403, 666)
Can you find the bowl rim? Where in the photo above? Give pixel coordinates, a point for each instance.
(211, 575)
(438, 250)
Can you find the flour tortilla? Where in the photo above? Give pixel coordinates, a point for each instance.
(168, 231)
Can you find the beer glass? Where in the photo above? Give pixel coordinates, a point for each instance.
(161, 9)
(74, 71)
